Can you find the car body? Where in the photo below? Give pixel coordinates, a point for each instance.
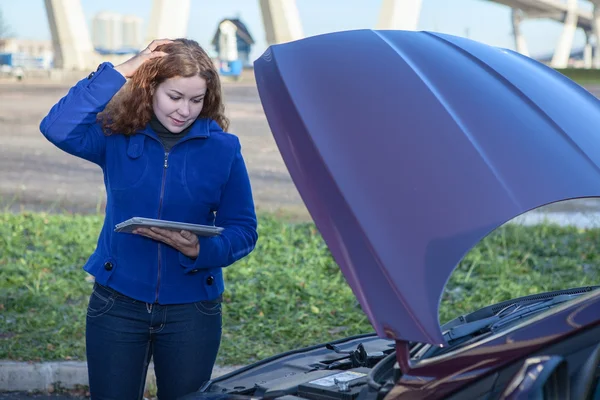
(408, 149)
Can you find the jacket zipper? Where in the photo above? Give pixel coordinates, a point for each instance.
(162, 192)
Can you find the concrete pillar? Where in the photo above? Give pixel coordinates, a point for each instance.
(565, 42)
(399, 15)
(587, 51)
(520, 44)
(596, 33)
(281, 21)
(73, 49)
(168, 20)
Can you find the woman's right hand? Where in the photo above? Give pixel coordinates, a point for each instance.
(128, 68)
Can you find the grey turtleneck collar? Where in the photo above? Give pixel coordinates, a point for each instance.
(167, 137)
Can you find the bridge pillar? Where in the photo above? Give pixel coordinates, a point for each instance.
(520, 43)
(399, 14)
(565, 42)
(588, 51)
(281, 21)
(168, 20)
(596, 33)
(73, 49)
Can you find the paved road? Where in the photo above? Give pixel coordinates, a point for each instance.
(594, 89)
(36, 175)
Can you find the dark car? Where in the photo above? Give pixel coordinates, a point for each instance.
(410, 148)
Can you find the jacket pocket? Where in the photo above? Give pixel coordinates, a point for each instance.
(127, 164)
(203, 177)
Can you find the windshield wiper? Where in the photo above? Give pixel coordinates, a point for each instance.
(505, 316)
(534, 308)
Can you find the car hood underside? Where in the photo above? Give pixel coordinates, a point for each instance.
(408, 148)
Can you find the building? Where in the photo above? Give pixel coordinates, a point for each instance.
(132, 32)
(107, 31)
(25, 53)
(232, 41)
(116, 33)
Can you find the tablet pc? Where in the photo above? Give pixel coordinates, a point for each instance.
(140, 222)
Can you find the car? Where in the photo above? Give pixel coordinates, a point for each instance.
(409, 149)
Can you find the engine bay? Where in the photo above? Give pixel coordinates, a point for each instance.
(336, 370)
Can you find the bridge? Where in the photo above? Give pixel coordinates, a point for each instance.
(73, 46)
(569, 14)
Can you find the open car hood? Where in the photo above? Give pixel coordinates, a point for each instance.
(408, 148)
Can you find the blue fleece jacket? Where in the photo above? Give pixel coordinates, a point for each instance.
(202, 179)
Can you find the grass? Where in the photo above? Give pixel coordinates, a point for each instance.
(581, 75)
(517, 261)
(289, 293)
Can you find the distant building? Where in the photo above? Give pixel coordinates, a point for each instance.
(25, 53)
(232, 41)
(132, 32)
(116, 33)
(107, 31)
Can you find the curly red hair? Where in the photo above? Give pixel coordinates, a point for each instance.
(131, 108)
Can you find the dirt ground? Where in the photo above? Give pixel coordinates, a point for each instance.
(35, 175)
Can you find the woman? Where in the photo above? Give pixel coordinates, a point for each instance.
(162, 147)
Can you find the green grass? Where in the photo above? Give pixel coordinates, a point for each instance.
(289, 293)
(517, 261)
(581, 75)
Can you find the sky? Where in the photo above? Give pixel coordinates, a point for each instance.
(481, 20)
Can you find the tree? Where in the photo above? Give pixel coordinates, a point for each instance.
(4, 27)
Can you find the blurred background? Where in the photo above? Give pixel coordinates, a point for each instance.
(53, 35)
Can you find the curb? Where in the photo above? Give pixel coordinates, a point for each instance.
(24, 376)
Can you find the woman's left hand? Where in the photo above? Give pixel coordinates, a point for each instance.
(184, 241)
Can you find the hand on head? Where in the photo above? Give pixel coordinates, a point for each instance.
(128, 68)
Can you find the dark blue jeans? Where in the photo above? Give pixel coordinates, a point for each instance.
(123, 334)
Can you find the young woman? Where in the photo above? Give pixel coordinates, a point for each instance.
(155, 125)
